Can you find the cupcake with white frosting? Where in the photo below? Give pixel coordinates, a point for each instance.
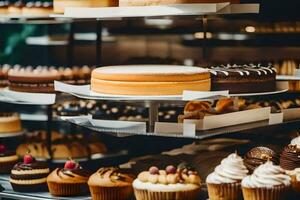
(295, 180)
(224, 182)
(181, 183)
(268, 181)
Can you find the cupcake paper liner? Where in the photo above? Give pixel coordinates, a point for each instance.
(68, 189)
(153, 195)
(275, 193)
(111, 193)
(226, 191)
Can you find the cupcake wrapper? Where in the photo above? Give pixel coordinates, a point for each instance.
(151, 195)
(227, 191)
(6, 167)
(275, 193)
(111, 193)
(68, 189)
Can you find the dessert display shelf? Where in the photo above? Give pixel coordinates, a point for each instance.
(9, 193)
(287, 78)
(159, 11)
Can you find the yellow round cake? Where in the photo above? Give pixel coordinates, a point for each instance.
(10, 123)
(149, 80)
(169, 2)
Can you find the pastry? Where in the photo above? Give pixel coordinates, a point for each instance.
(29, 175)
(149, 80)
(259, 155)
(60, 5)
(268, 181)
(68, 181)
(225, 181)
(4, 71)
(35, 80)
(173, 183)
(3, 9)
(197, 106)
(168, 2)
(37, 8)
(243, 79)
(7, 159)
(16, 7)
(10, 123)
(290, 156)
(111, 184)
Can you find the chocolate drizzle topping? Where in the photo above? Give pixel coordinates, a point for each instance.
(72, 172)
(35, 165)
(115, 174)
(290, 157)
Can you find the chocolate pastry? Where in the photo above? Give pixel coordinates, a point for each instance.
(4, 72)
(290, 157)
(243, 78)
(258, 156)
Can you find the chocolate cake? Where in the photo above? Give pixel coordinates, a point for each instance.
(35, 80)
(243, 78)
(3, 73)
(290, 157)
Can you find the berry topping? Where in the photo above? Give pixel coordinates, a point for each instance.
(28, 159)
(154, 170)
(70, 164)
(2, 148)
(171, 169)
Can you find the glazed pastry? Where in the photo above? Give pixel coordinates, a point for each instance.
(68, 181)
(111, 184)
(243, 79)
(29, 175)
(268, 181)
(225, 181)
(179, 183)
(7, 159)
(225, 105)
(10, 123)
(149, 79)
(290, 156)
(197, 106)
(259, 155)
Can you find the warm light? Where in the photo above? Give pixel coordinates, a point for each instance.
(200, 35)
(250, 29)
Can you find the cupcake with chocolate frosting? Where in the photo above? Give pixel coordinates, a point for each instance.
(7, 159)
(290, 156)
(111, 184)
(268, 181)
(29, 175)
(173, 183)
(68, 181)
(225, 181)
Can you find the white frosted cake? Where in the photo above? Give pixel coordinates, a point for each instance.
(149, 79)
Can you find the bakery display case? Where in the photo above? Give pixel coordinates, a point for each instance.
(148, 100)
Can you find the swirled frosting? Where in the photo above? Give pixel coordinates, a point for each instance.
(267, 175)
(296, 142)
(69, 175)
(110, 177)
(295, 174)
(290, 157)
(231, 170)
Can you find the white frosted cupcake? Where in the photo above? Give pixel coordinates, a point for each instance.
(170, 184)
(225, 182)
(295, 180)
(268, 182)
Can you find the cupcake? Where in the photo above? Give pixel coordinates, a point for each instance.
(295, 180)
(225, 182)
(268, 182)
(182, 183)
(111, 184)
(68, 181)
(259, 155)
(290, 156)
(29, 175)
(7, 159)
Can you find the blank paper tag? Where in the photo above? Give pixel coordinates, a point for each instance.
(196, 95)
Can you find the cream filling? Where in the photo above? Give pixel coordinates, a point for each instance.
(29, 182)
(33, 171)
(164, 188)
(9, 158)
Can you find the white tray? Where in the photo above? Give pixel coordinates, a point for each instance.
(6, 135)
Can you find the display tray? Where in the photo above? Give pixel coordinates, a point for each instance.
(287, 78)
(16, 134)
(158, 11)
(26, 98)
(84, 92)
(9, 193)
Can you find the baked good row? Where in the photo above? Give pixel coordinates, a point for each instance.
(26, 7)
(173, 80)
(261, 175)
(41, 78)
